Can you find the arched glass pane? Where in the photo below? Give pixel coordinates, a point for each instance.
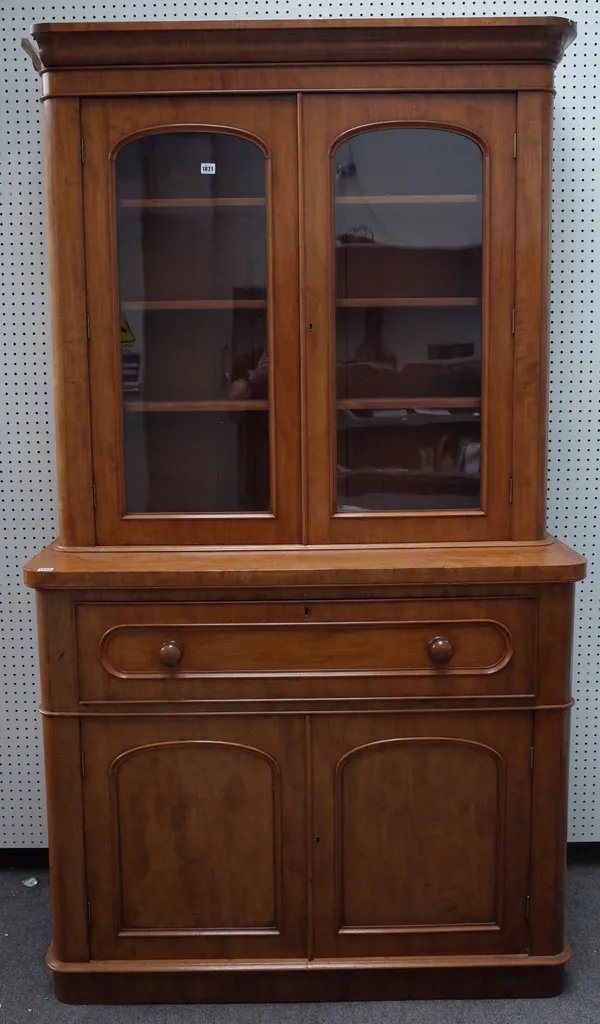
(194, 337)
(408, 246)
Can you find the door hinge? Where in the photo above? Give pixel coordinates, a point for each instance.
(82, 766)
(527, 907)
(88, 326)
(89, 913)
(513, 320)
(82, 149)
(514, 146)
(510, 490)
(94, 496)
(531, 758)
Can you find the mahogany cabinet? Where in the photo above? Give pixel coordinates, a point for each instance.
(305, 644)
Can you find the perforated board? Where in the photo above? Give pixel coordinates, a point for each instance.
(28, 498)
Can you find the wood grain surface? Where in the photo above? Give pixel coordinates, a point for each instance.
(297, 754)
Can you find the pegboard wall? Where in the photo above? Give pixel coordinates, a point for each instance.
(28, 496)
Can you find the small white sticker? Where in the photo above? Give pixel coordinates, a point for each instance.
(208, 168)
(47, 568)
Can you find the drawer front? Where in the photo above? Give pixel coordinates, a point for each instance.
(289, 650)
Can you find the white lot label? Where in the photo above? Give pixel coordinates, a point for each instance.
(208, 168)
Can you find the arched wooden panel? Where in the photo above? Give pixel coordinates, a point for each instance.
(197, 829)
(427, 814)
(195, 836)
(422, 826)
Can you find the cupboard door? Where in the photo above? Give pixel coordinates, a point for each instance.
(421, 834)
(192, 276)
(195, 837)
(409, 294)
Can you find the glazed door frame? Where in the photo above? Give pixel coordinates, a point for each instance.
(241, 802)
(270, 122)
(351, 893)
(491, 122)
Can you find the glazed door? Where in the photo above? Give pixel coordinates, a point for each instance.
(195, 837)
(421, 834)
(192, 274)
(409, 246)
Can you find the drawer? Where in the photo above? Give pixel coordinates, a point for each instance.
(288, 650)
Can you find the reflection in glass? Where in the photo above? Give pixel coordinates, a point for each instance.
(203, 355)
(197, 462)
(408, 237)
(408, 459)
(194, 331)
(407, 352)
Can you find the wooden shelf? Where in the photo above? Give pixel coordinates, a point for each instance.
(402, 481)
(430, 200)
(134, 405)
(409, 301)
(408, 403)
(197, 304)
(187, 204)
(409, 475)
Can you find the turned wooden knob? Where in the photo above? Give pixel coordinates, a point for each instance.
(440, 649)
(170, 654)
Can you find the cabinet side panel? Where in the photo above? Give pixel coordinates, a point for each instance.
(57, 651)
(65, 834)
(532, 280)
(63, 764)
(554, 643)
(551, 770)
(549, 832)
(68, 305)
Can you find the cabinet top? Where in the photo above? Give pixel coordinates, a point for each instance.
(104, 43)
(547, 561)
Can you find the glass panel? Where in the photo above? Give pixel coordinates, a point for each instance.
(411, 353)
(408, 236)
(194, 330)
(197, 462)
(408, 459)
